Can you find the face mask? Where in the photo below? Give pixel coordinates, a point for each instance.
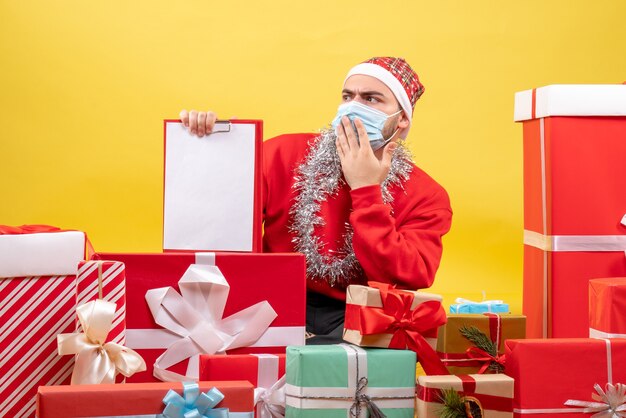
(373, 121)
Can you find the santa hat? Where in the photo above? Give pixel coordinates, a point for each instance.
(398, 75)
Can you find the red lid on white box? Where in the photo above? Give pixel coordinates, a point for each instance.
(41, 254)
(571, 100)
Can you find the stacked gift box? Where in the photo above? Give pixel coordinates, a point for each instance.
(213, 327)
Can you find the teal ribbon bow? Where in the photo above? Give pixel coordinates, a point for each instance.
(193, 403)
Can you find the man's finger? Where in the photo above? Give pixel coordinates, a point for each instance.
(193, 122)
(184, 118)
(211, 117)
(201, 124)
(364, 141)
(350, 134)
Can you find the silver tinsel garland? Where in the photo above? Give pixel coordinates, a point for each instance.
(317, 178)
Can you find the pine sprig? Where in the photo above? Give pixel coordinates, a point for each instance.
(453, 405)
(480, 340)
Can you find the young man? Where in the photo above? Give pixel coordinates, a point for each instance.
(349, 198)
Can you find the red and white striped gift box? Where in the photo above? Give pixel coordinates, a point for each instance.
(34, 308)
(104, 280)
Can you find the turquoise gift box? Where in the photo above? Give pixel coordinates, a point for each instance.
(340, 381)
(465, 306)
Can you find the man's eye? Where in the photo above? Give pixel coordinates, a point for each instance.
(372, 100)
(345, 97)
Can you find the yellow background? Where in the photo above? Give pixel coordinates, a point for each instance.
(85, 85)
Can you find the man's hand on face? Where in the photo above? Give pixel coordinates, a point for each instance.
(360, 165)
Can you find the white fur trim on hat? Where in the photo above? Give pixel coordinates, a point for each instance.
(380, 73)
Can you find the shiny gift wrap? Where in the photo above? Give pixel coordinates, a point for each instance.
(549, 373)
(339, 381)
(460, 356)
(37, 302)
(493, 393)
(607, 307)
(381, 316)
(146, 400)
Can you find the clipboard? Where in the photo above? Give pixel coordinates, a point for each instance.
(212, 187)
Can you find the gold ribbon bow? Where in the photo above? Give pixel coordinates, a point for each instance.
(610, 403)
(97, 361)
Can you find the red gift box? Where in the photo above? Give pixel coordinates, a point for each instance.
(276, 278)
(262, 370)
(33, 310)
(607, 305)
(132, 399)
(549, 372)
(574, 200)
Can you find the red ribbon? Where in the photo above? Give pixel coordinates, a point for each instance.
(27, 229)
(488, 402)
(407, 326)
(483, 357)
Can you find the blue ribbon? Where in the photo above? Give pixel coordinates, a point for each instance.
(193, 403)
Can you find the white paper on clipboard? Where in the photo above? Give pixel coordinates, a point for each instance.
(209, 188)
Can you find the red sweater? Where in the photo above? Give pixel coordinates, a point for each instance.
(402, 247)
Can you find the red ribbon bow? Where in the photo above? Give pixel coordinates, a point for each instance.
(480, 355)
(407, 325)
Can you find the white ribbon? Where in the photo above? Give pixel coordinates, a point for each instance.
(270, 402)
(610, 403)
(195, 317)
(560, 243)
(594, 333)
(97, 361)
(269, 396)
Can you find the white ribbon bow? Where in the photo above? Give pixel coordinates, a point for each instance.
(611, 403)
(270, 402)
(195, 316)
(97, 361)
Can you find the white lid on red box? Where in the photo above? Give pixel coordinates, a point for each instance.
(571, 100)
(41, 254)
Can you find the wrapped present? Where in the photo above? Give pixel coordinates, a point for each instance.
(607, 304)
(380, 316)
(470, 343)
(466, 306)
(550, 372)
(574, 200)
(98, 361)
(337, 380)
(265, 371)
(202, 211)
(37, 302)
(163, 335)
(487, 396)
(165, 400)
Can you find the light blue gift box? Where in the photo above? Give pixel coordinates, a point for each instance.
(465, 306)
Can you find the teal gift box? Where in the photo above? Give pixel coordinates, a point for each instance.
(465, 306)
(340, 381)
